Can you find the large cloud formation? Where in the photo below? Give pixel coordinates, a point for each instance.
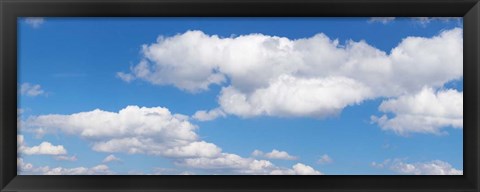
(315, 77)
(153, 131)
(133, 130)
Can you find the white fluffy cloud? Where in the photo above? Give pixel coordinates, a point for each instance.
(21, 165)
(31, 90)
(97, 170)
(274, 154)
(231, 163)
(24, 168)
(291, 96)
(154, 131)
(425, 112)
(316, 76)
(133, 130)
(45, 148)
(325, 159)
(435, 167)
(111, 158)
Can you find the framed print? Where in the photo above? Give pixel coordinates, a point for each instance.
(239, 95)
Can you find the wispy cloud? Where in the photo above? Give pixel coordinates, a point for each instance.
(111, 158)
(383, 20)
(435, 167)
(424, 21)
(34, 22)
(66, 158)
(31, 90)
(125, 77)
(325, 159)
(203, 115)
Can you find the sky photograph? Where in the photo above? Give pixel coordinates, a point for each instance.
(240, 96)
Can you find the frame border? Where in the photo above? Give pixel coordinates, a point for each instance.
(10, 10)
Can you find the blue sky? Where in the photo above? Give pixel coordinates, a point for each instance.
(73, 65)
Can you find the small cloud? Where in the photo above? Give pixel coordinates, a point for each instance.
(31, 90)
(325, 159)
(275, 154)
(208, 115)
(34, 22)
(110, 158)
(125, 77)
(383, 20)
(257, 153)
(45, 148)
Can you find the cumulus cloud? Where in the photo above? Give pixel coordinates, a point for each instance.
(34, 22)
(96, 170)
(232, 163)
(325, 159)
(21, 165)
(383, 20)
(155, 131)
(45, 148)
(425, 112)
(435, 167)
(111, 158)
(274, 154)
(291, 96)
(315, 76)
(133, 130)
(31, 90)
(24, 168)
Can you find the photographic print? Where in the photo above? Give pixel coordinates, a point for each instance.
(240, 96)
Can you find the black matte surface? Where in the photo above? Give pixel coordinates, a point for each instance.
(471, 71)
(10, 10)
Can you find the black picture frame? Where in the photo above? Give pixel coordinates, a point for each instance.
(11, 9)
